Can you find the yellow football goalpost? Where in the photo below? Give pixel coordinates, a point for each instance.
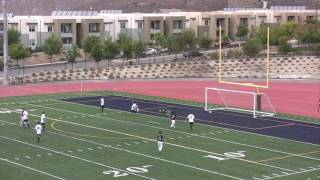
(258, 103)
(221, 80)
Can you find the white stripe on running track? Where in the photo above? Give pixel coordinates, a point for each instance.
(30, 168)
(75, 157)
(252, 146)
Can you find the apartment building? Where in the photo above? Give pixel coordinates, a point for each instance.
(74, 26)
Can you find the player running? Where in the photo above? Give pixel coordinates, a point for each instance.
(102, 104)
(134, 107)
(43, 121)
(38, 129)
(25, 121)
(160, 140)
(190, 119)
(173, 120)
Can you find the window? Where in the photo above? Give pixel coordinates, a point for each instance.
(67, 40)
(277, 19)
(94, 27)
(220, 22)
(13, 26)
(244, 21)
(66, 28)
(122, 25)
(32, 42)
(177, 24)
(32, 28)
(50, 28)
(262, 19)
(1, 26)
(155, 25)
(291, 19)
(206, 22)
(140, 25)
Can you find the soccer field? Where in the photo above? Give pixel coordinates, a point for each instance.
(82, 143)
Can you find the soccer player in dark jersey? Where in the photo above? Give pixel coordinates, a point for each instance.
(160, 140)
(173, 120)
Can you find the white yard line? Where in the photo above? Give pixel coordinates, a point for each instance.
(156, 127)
(148, 156)
(245, 132)
(290, 174)
(180, 146)
(30, 168)
(75, 157)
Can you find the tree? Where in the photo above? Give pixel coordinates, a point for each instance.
(88, 43)
(97, 53)
(52, 46)
(242, 31)
(18, 52)
(72, 54)
(127, 50)
(13, 36)
(205, 42)
(188, 40)
(110, 49)
(251, 48)
(124, 39)
(138, 48)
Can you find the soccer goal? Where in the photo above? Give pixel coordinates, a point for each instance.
(257, 104)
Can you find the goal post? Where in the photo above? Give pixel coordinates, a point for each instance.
(255, 103)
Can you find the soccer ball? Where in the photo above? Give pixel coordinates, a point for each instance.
(210, 112)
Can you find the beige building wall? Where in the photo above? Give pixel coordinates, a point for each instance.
(148, 31)
(170, 23)
(57, 29)
(85, 31)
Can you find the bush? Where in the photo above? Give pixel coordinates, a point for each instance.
(284, 46)
(317, 49)
(251, 48)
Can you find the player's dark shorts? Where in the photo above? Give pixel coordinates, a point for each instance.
(134, 111)
(42, 124)
(25, 120)
(191, 123)
(102, 106)
(38, 134)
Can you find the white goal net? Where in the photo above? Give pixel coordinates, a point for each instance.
(257, 104)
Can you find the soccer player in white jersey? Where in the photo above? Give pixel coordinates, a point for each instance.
(25, 121)
(134, 107)
(102, 104)
(190, 119)
(160, 140)
(38, 129)
(43, 121)
(173, 120)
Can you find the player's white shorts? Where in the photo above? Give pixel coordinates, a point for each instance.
(173, 124)
(160, 145)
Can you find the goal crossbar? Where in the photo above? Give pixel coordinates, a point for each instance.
(256, 102)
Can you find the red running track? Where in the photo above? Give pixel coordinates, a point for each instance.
(300, 98)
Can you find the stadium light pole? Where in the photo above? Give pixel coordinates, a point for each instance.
(5, 44)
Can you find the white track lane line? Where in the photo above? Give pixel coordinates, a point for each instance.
(30, 168)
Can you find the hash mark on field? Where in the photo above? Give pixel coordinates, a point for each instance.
(99, 147)
(180, 137)
(145, 141)
(203, 134)
(69, 151)
(38, 155)
(118, 145)
(49, 154)
(28, 157)
(171, 138)
(90, 149)
(80, 150)
(136, 142)
(211, 133)
(188, 136)
(127, 144)
(16, 158)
